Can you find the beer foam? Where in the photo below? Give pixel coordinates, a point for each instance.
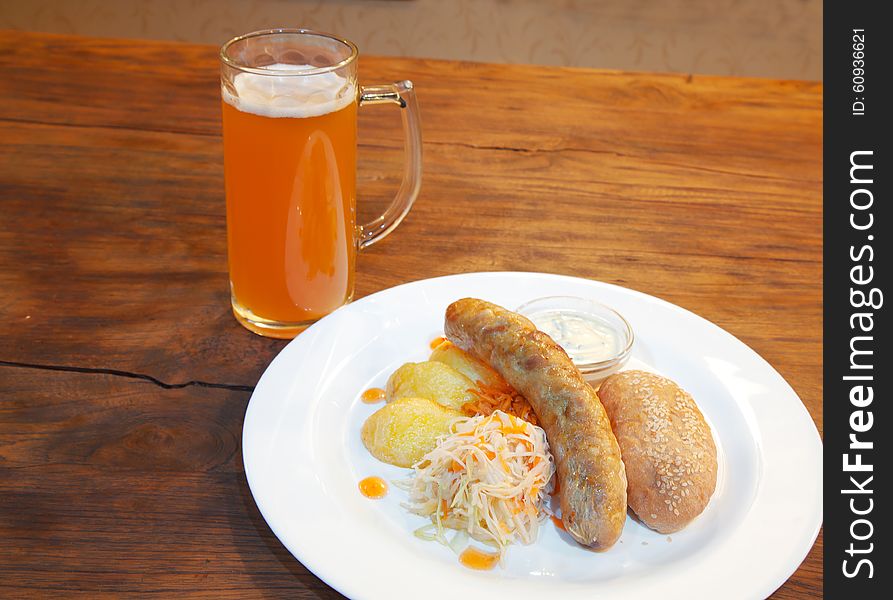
(297, 96)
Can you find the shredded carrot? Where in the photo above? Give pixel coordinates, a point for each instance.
(490, 398)
(513, 429)
(437, 342)
(505, 465)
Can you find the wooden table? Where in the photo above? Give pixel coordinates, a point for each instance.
(124, 377)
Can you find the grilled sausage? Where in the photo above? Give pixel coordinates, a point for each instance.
(591, 475)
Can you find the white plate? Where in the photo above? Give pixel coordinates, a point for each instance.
(303, 459)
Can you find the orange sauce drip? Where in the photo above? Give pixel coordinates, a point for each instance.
(475, 559)
(373, 395)
(558, 523)
(436, 342)
(374, 487)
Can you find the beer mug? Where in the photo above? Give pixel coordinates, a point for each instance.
(290, 100)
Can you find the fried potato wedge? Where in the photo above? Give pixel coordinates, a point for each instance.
(403, 431)
(432, 380)
(474, 369)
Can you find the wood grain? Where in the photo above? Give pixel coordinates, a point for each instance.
(111, 487)
(704, 191)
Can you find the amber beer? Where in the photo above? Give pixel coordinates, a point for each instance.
(290, 103)
(291, 203)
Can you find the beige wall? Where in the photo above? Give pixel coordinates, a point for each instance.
(768, 38)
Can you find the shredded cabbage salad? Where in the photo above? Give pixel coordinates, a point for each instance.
(490, 479)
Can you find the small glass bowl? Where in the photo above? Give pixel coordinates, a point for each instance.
(556, 314)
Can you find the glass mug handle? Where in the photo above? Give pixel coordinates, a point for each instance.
(402, 94)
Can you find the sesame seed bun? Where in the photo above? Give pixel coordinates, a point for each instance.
(666, 446)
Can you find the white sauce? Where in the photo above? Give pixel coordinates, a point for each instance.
(586, 338)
